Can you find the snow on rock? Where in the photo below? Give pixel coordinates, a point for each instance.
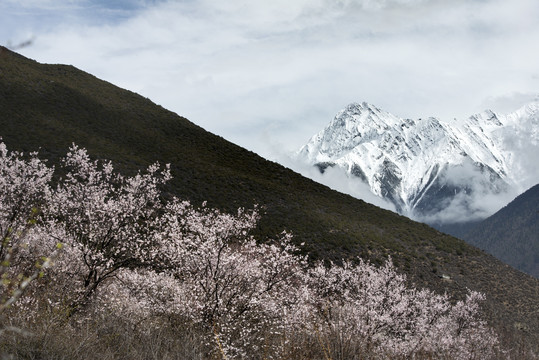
(426, 166)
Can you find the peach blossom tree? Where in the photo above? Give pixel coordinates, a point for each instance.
(126, 249)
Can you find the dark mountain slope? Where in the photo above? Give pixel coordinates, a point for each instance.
(512, 234)
(48, 107)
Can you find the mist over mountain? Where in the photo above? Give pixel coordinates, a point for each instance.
(512, 234)
(432, 170)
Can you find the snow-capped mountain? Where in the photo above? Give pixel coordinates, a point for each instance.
(432, 169)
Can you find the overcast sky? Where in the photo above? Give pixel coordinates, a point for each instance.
(268, 75)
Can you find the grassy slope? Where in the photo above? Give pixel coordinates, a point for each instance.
(47, 107)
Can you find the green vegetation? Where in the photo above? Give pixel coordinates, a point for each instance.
(48, 107)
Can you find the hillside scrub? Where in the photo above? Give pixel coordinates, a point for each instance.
(112, 262)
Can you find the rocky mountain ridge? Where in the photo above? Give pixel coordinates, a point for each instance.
(427, 166)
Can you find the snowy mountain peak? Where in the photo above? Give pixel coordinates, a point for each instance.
(486, 118)
(423, 165)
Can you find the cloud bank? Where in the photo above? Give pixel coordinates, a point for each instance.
(284, 68)
(479, 196)
(337, 179)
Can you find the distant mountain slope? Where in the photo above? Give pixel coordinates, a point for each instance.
(512, 234)
(433, 170)
(48, 107)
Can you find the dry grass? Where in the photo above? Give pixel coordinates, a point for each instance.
(111, 337)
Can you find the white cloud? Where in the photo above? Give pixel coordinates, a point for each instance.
(413, 58)
(465, 207)
(509, 102)
(478, 197)
(336, 179)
